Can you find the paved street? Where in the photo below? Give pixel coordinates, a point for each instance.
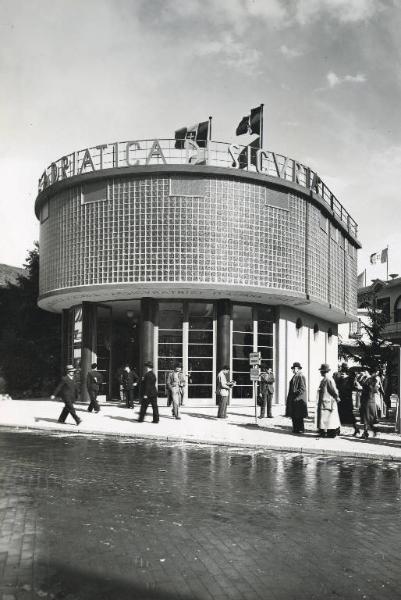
(88, 518)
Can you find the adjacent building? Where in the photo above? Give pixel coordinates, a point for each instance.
(194, 256)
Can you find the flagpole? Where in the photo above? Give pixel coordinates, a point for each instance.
(261, 126)
(365, 276)
(210, 129)
(387, 263)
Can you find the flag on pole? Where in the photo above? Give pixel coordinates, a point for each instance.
(198, 133)
(361, 279)
(251, 123)
(379, 257)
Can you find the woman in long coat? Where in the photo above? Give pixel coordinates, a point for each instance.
(328, 421)
(370, 402)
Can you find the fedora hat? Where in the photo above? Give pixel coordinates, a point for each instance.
(149, 364)
(296, 364)
(70, 368)
(325, 368)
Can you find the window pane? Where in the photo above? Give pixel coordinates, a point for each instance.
(242, 318)
(170, 337)
(201, 323)
(198, 377)
(171, 315)
(241, 378)
(200, 350)
(196, 337)
(200, 309)
(199, 391)
(242, 351)
(170, 350)
(265, 314)
(265, 340)
(241, 365)
(266, 353)
(243, 339)
(200, 364)
(265, 327)
(166, 364)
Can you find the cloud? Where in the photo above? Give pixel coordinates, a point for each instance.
(334, 80)
(231, 53)
(290, 52)
(344, 11)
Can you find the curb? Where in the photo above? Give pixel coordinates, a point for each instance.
(324, 452)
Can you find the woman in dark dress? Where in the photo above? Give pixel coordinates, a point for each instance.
(346, 385)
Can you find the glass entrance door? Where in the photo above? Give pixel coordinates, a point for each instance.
(170, 342)
(200, 349)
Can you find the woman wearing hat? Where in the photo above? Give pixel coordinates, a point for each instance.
(297, 407)
(328, 421)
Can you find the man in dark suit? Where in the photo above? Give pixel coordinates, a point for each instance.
(266, 392)
(297, 407)
(149, 394)
(130, 382)
(94, 380)
(67, 390)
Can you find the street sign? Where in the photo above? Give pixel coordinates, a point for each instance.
(255, 374)
(254, 358)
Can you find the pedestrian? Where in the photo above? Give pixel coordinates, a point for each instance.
(223, 388)
(297, 407)
(266, 392)
(347, 384)
(68, 391)
(373, 390)
(174, 383)
(94, 380)
(149, 394)
(119, 378)
(130, 382)
(328, 421)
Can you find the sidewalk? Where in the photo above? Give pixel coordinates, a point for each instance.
(199, 425)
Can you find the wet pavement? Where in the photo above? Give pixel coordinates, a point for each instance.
(88, 518)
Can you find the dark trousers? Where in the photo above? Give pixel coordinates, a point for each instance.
(266, 404)
(93, 404)
(222, 412)
(298, 424)
(68, 410)
(144, 407)
(129, 398)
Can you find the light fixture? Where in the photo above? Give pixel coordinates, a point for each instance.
(130, 314)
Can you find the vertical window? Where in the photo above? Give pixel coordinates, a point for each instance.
(265, 335)
(200, 350)
(242, 347)
(171, 318)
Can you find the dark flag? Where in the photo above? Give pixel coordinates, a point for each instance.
(243, 126)
(251, 123)
(256, 120)
(254, 146)
(198, 133)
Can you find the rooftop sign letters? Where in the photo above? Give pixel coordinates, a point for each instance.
(219, 154)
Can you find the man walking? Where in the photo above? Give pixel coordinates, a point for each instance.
(94, 380)
(223, 392)
(297, 407)
(149, 394)
(67, 390)
(266, 392)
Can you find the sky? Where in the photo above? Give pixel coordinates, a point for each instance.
(76, 74)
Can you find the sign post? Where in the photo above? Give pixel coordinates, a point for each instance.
(254, 362)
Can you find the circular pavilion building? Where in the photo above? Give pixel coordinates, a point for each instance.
(194, 256)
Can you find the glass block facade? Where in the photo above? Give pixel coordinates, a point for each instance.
(183, 229)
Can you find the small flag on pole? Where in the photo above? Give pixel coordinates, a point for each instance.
(198, 133)
(361, 279)
(379, 257)
(252, 150)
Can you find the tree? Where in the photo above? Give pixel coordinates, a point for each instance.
(372, 349)
(30, 336)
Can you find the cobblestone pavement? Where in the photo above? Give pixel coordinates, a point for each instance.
(87, 518)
